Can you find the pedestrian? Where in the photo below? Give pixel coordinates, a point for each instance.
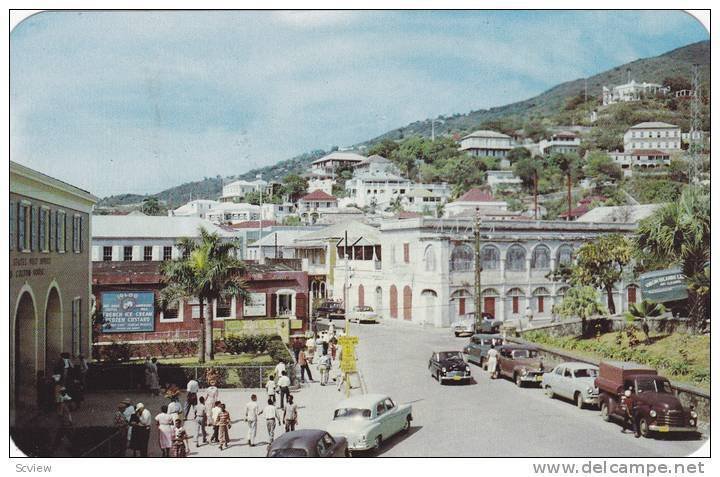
(84, 368)
(271, 419)
(154, 377)
(271, 388)
(211, 395)
(528, 315)
(191, 399)
(279, 368)
(331, 329)
(74, 387)
(174, 408)
(251, 416)
(333, 348)
(324, 367)
(214, 414)
(120, 423)
(290, 416)
(223, 426)
(297, 347)
(631, 420)
(492, 361)
(128, 413)
(146, 371)
(135, 442)
(142, 428)
(180, 444)
(64, 418)
(284, 384)
(64, 365)
(325, 346)
(165, 425)
(200, 422)
(304, 367)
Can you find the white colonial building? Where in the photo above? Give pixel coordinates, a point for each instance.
(422, 270)
(498, 180)
(632, 91)
(476, 201)
(327, 165)
(652, 135)
(237, 190)
(232, 213)
(195, 208)
(560, 142)
(486, 143)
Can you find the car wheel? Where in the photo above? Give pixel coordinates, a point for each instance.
(549, 392)
(579, 401)
(378, 443)
(348, 452)
(439, 379)
(406, 427)
(605, 411)
(482, 364)
(518, 381)
(644, 428)
(457, 335)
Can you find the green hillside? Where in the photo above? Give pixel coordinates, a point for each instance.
(550, 107)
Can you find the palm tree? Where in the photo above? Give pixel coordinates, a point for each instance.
(679, 233)
(642, 311)
(206, 270)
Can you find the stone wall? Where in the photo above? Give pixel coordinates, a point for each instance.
(573, 326)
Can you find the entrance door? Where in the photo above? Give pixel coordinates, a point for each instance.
(489, 305)
(632, 294)
(461, 306)
(515, 305)
(541, 304)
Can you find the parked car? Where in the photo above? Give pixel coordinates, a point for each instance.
(478, 346)
(520, 363)
(574, 381)
(308, 443)
(449, 366)
(369, 419)
(466, 325)
(331, 310)
(659, 410)
(363, 314)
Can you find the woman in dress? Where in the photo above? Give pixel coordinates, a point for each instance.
(136, 438)
(153, 377)
(492, 356)
(223, 423)
(180, 440)
(165, 431)
(211, 395)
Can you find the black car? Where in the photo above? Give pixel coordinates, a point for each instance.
(308, 443)
(449, 366)
(330, 309)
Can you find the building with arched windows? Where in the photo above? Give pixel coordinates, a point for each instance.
(49, 279)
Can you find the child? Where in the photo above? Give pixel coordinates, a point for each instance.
(271, 389)
(223, 426)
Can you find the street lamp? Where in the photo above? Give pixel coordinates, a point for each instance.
(432, 127)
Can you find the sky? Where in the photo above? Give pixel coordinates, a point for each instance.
(136, 102)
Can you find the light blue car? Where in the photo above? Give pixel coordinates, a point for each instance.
(575, 381)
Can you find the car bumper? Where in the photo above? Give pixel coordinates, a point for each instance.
(590, 400)
(530, 378)
(463, 332)
(457, 377)
(661, 428)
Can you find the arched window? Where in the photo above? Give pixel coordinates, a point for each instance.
(461, 259)
(429, 259)
(540, 258)
(515, 294)
(564, 255)
(490, 257)
(516, 258)
(393, 302)
(407, 303)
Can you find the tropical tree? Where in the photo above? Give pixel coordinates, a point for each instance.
(679, 234)
(528, 170)
(642, 311)
(601, 169)
(294, 187)
(569, 164)
(151, 206)
(396, 205)
(600, 264)
(207, 270)
(583, 302)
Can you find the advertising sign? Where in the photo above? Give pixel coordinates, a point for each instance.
(663, 285)
(128, 312)
(280, 327)
(348, 358)
(255, 305)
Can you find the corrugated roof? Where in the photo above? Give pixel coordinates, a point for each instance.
(319, 195)
(253, 224)
(653, 124)
(354, 229)
(137, 226)
(476, 195)
(487, 133)
(340, 156)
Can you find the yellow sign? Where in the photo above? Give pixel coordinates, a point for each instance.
(348, 366)
(348, 341)
(347, 358)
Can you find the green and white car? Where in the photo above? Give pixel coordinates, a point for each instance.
(369, 419)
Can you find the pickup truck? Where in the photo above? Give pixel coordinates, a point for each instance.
(659, 410)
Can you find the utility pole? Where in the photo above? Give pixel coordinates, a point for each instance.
(478, 268)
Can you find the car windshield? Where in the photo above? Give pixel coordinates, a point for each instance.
(524, 353)
(288, 453)
(586, 373)
(351, 413)
(654, 385)
(450, 355)
(363, 308)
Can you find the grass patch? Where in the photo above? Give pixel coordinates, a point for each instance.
(681, 357)
(224, 360)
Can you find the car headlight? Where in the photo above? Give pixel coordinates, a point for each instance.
(589, 390)
(444, 370)
(467, 368)
(653, 413)
(693, 414)
(524, 371)
(692, 422)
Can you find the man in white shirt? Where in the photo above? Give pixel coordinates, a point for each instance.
(192, 389)
(251, 416)
(127, 413)
(271, 388)
(279, 369)
(284, 384)
(214, 414)
(271, 419)
(143, 427)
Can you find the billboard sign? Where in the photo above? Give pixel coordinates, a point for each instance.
(255, 305)
(128, 311)
(663, 285)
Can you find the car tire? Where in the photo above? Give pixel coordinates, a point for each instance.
(549, 392)
(605, 411)
(378, 444)
(579, 401)
(481, 363)
(457, 335)
(644, 427)
(406, 427)
(518, 381)
(439, 379)
(348, 452)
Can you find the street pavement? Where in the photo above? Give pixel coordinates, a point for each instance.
(487, 418)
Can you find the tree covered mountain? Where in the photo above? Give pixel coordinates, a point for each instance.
(553, 103)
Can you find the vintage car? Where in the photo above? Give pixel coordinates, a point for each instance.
(520, 363)
(363, 314)
(330, 310)
(476, 349)
(369, 419)
(466, 325)
(574, 381)
(449, 366)
(308, 443)
(658, 408)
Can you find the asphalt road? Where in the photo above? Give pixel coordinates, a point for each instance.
(485, 418)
